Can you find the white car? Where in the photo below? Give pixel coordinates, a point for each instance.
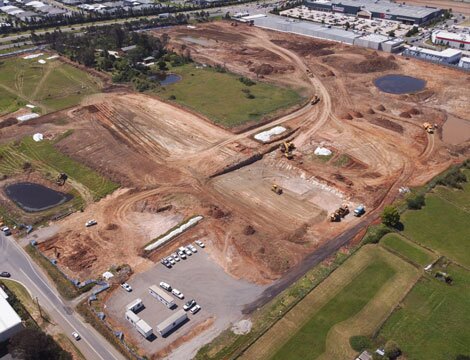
(182, 255)
(195, 309)
(175, 256)
(200, 243)
(76, 335)
(90, 223)
(177, 293)
(188, 251)
(170, 259)
(165, 286)
(193, 248)
(126, 287)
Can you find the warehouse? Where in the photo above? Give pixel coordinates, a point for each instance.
(161, 296)
(10, 322)
(448, 56)
(172, 322)
(380, 42)
(464, 63)
(381, 9)
(454, 40)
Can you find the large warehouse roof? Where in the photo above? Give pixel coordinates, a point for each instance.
(8, 317)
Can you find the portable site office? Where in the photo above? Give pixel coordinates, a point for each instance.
(162, 296)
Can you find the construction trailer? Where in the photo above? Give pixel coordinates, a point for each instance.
(172, 322)
(131, 317)
(135, 306)
(162, 296)
(141, 326)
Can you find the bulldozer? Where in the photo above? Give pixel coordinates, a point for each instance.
(315, 100)
(340, 213)
(286, 148)
(428, 127)
(61, 179)
(277, 189)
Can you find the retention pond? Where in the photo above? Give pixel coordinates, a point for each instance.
(399, 84)
(34, 197)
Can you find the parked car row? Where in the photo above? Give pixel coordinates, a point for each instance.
(190, 305)
(182, 253)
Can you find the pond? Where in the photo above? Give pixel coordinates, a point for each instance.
(399, 84)
(170, 79)
(456, 130)
(34, 197)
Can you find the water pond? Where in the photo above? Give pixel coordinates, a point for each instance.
(399, 84)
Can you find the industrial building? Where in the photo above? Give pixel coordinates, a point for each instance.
(454, 40)
(161, 296)
(10, 322)
(381, 9)
(172, 322)
(135, 306)
(141, 326)
(380, 42)
(448, 56)
(464, 63)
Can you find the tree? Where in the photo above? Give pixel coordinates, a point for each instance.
(33, 344)
(415, 202)
(391, 33)
(360, 343)
(392, 351)
(390, 216)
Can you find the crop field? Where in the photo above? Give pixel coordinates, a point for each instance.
(407, 249)
(442, 226)
(224, 99)
(432, 322)
(455, 196)
(355, 300)
(51, 86)
(9, 102)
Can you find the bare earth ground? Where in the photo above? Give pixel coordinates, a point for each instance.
(168, 159)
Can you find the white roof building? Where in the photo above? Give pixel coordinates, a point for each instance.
(455, 40)
(10, 322)
(447, 56)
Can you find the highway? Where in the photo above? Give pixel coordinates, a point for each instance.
(15, 260)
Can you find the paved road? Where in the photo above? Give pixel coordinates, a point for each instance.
(15, 260)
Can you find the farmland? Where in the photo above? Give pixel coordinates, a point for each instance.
(409, 250)
(224, 99)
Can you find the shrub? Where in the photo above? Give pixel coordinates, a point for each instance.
(415, 202)
(462, 357)
(246, 81)
(375, 233)
(392, 351)
(360, 343)
(390, 216)
(453, 178)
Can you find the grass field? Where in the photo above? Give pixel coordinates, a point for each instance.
(51, 86)
(460, 198)
(407, 249)
(441, 226)
(433, 321)
(223, 98)
(355, 300)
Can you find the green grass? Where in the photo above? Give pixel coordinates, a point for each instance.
(407, 249)
(441, 226)
(219, 96)
(433, 321)
(460, 198)
(309, 341)
(9, 103)
(52, 86)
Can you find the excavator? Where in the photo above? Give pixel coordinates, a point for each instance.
(61, 179)
(315, 100)
(429, 127)
(286, 148)
(277, 189)
(339, 213)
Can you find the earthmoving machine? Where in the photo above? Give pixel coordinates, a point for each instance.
(61, 179)
(315, 100)
(286, 148)
(340, 213)
(428, 127)
(277, 189)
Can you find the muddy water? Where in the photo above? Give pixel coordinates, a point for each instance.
(34, 197)
(170, 79)
(399, 84)
(455, 130)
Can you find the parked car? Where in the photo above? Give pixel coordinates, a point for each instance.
(126, 287)
(195, 309)
(200, 243)
(5, 274)
(175, 256)
(189, 304)
(177, 293)
(170, 260)
(192, 248)
(188, 251)
(167, 265)
(165, 286)
(182, 255)
(90, 223)
(6, 230)
(76, 335)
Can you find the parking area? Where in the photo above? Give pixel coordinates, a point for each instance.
(375, 26)
(220, 296)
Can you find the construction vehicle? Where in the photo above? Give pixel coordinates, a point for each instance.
(61, 179)
(428, 127)
(286, 148)
(277, 189)
(340, 213)
(315, 100)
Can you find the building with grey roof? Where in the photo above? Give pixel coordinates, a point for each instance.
(382, 9)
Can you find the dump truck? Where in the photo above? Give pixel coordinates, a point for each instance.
(428, 127)
(277, 189)
(61, 179)
(315, 100)
(340, 213)
(360, 210)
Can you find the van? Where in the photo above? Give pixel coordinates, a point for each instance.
(165, 286)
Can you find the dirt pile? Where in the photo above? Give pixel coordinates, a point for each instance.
(388, 124)
(308, 47)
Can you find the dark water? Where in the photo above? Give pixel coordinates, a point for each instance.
(34, 197)
(170, 79)
(399, 84)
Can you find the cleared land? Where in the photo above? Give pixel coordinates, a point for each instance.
(441, 226)
(432, 322)
(354, 300)
(223, 98)
(407, 249)
(51, 86)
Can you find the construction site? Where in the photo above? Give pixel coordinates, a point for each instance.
(265, 204)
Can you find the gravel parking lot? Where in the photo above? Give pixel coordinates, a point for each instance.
(199, 277)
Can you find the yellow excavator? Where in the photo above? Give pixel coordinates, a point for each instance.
(286, 148)
(340, 213)
(429, 127)
(277, 189)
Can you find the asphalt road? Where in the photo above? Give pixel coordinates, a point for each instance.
(15, 260)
